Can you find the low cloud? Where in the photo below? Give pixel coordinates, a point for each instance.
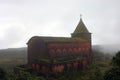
(22, 19)
(12, 36)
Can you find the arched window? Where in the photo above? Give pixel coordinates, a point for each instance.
(54, 69)
(75, 50)
(52, 51)
(33, 66)
(60, 68)
(37, 66)
(84, 61)
(79, 49)
(44, 68)
(83, 49)
(68, 66)
(58, 51)
(64, 51)
(70, 50)
(75, 64)
(87, 49)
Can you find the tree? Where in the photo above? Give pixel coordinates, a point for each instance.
(116, 60)
(114, 72)
(2, 74)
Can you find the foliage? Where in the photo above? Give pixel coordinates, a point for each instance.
(22, 75)
(2, 74)
(116, 60)
(92, 73)
(114, 72)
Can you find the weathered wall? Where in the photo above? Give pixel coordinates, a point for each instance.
(68, 48)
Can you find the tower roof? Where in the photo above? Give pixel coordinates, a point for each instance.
(81, 28)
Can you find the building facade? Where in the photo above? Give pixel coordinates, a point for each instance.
(56, 54)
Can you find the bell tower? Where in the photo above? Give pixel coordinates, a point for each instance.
(81, 31)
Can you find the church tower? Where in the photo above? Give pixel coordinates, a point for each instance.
(81, 32)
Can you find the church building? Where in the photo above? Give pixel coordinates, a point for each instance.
(57, 54)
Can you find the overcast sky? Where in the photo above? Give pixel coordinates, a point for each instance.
(22, 19)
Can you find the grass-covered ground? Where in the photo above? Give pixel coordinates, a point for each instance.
(10, 58)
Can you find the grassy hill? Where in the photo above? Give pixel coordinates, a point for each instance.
(9, 58)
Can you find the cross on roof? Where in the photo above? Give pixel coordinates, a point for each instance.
(80, 16)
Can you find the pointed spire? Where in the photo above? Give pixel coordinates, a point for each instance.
(81, 28)
(80, 16)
